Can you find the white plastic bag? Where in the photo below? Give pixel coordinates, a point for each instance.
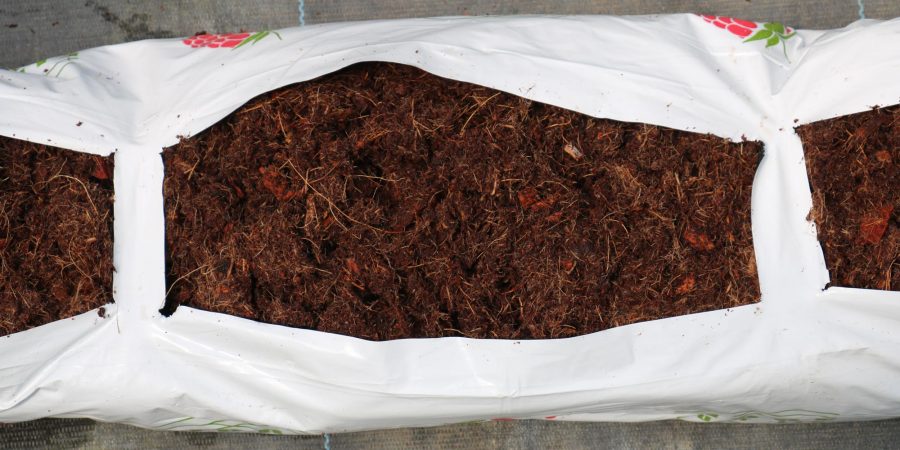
(801, 354)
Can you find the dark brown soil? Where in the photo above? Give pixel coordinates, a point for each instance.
(854, 169)
(384, 202)
(55, 234)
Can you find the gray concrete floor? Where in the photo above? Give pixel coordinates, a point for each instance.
(34, 29)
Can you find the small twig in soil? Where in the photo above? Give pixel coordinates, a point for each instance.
(480, 105)
(333, 207)
(86, 191)
(169, 291)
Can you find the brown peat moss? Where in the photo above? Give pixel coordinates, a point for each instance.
(384, 202)
(854, 169)
(55, 234)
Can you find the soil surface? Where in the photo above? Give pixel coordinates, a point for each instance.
(854, 168)
(383, 202)
(55, 234)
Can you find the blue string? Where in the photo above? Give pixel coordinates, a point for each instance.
(862, 9)
(327, 442)
(303, 13)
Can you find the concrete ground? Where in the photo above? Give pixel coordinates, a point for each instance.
(34, 29)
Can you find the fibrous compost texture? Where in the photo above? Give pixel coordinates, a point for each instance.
(854, 170)
(55, 234)
(383, 202)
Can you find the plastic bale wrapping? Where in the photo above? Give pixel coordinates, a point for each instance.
(804, 353)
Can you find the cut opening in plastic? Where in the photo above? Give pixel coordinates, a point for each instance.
(56, 234)
(854, 169)
(384, 202)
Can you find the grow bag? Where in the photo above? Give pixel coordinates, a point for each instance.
(804, 353)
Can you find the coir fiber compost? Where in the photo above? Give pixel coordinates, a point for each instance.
(383, 202)
(55, 234)
(854, 168)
